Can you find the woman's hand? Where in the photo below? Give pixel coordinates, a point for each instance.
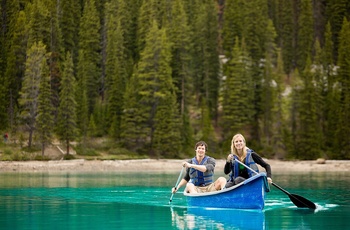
(229, 158)
(269, 180)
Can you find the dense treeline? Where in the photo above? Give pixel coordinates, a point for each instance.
(155, 76)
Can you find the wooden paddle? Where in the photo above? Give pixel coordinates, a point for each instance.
(299, 201)
(177, 183)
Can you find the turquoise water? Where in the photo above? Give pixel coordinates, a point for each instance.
(141, 201)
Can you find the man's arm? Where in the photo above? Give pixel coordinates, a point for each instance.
(209, 166)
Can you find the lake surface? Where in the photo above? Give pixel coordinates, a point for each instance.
(141, 201)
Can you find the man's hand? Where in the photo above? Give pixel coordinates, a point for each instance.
(174, 190)
(186, 164)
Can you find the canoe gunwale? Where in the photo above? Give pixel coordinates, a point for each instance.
(261, 174)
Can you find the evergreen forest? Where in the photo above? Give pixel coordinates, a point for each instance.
(153, 77)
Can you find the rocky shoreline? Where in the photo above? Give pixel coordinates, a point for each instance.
(162, 165)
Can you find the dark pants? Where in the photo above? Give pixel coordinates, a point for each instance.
(237, 180)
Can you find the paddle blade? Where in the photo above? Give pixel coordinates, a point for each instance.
(301, 202)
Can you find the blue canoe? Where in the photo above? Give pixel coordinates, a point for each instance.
(250, 194)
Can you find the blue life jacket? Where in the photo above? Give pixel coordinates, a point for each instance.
(248, 161)
(199, 178)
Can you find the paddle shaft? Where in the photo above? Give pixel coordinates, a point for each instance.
(177, 183)
(280, 188)
(299, 201)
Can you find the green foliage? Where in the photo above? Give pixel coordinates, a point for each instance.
(39, 23)
(335, 13)
(41, 158)
(146, 17)
(89, 60)
(207, 133)
(343, 125)
(45, 108)
(82, 111)
(238, 92)
(133, 126)
(8, 151)
(156, 93)
(309, 141)
(117, 73)
(180, 37)
(69, 24)
(187, 133)
(82, 151)
(233, 24)
(68, 157)
(305, 34)
(146, 73)
(30, 87)
(67, 117)
(15, 66)
(283, 22)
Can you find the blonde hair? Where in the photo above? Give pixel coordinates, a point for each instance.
(234, 150)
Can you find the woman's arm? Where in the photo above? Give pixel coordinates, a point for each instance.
(227, 168)
(263, 163)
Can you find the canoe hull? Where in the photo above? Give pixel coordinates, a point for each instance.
(249, 194)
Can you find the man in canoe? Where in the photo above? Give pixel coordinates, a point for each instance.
(239, 151)
(199, 175)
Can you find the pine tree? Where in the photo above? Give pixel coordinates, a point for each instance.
(187, 133)
(308, 144)
(205, 60)
(180, 37)
(167, 141)
(320, 85)
(15, 67)
(30, 87)
(134, 131)
(92, 130)
(233, 24)
(89, 60)
(166, 137)
(255, 29)
(237, 92)
(55, 50)
(154, 92)
(251, 21)
(67, 117)
(45, 109)
(332, 97)
(39, 23)
(81, 97)
(283, 22)
(144, 22)
(157, 89)
(69, 24)
(207, 133)
(336, 11)
(291, 137)
(281, 116)
(116, 72)
(343, 125)
(305, 33)
(127, 13)
(9, 11)
(269, 94)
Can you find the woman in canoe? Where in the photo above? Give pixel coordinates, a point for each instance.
(239, 151)
(199, 175)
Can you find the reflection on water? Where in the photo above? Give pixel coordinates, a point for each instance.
(141, 201)
(205, 218)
